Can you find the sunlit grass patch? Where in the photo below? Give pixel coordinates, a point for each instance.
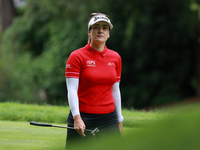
(25, 112)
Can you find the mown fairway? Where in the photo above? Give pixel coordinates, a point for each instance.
(22, 136)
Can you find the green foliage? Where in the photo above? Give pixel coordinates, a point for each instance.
(179, 131)
(41, 42)
(16, 78)
(158, 54)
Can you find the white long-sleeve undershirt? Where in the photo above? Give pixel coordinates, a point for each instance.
(72, 87)
(117, 98)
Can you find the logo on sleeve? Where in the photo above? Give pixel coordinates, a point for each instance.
(91, 63)
(68, 66)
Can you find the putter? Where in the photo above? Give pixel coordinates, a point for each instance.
(93, 132)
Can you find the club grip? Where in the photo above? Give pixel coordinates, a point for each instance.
(40, 124)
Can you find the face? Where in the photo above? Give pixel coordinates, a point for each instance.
(99, 32)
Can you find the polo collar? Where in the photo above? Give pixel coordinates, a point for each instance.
(97, 53)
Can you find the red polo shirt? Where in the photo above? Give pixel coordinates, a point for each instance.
(97, 72)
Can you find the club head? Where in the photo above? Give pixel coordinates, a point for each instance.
(96, 130)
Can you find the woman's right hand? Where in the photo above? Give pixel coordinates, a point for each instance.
(79, 125)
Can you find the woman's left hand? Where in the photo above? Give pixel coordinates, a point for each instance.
(120, 127)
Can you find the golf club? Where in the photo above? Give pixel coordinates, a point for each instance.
(93, 132)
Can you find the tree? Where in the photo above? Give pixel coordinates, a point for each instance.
(155, 39)
(42, 39)
(7, 13)
(195, 6)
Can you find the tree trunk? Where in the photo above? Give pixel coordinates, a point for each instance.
(198, 66)
(7, 13)
(197, 51)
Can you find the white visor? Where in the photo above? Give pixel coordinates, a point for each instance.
(98, 18)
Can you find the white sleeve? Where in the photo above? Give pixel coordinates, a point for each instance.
(72, 88)
(117, 98)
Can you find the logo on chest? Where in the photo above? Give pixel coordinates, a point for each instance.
(111, 64)
(91, 63)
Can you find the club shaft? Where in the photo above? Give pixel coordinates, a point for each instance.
(50, 125)
(69, 127)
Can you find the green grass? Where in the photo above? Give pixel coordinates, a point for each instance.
(24, 112)
(175, 128)
(58, 114)
(23, 136)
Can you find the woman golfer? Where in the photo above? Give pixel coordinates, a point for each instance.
(92, 76)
